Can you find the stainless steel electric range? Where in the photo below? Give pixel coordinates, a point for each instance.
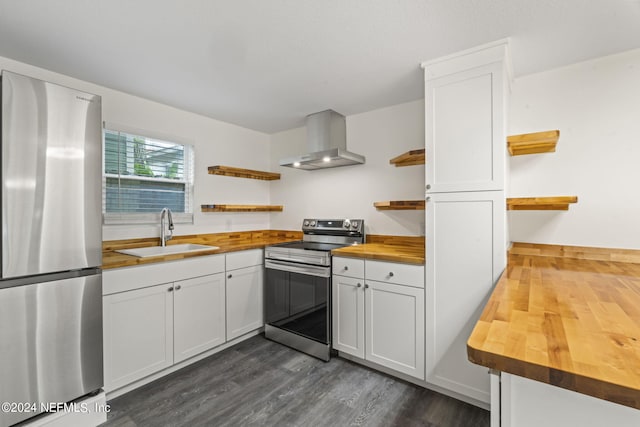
(298, 284)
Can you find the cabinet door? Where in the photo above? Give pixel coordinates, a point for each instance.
(245, 301)
(465, 137)
(348, 315)
(465, 256)
(394, 327)
(199, 315)
(138, 334)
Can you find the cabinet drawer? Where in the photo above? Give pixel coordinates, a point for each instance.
(242, 259)
(393, 272)
(351, 267)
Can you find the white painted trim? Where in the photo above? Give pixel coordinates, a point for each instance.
(118, 127)
(486, 54)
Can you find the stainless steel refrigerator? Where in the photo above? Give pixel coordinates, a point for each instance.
(50, 282)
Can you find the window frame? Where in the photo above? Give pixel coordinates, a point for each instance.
(132, 218)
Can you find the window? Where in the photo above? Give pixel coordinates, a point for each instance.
(142, 175)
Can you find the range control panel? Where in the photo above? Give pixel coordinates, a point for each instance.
(337, 225)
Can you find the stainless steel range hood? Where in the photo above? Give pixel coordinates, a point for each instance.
(327, 144)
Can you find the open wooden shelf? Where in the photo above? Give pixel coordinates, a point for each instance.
(558, 203)
(243, 173)
(410, 158)
(533, 143)
(241, 208)
(400, 205)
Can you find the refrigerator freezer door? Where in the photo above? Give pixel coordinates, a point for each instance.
(51, 343)
(51, 177)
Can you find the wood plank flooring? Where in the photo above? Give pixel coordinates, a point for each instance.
(262, 383)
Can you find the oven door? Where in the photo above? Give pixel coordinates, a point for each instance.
(297, 299)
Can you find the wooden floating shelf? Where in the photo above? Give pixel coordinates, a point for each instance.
(533, 143)
(410, 158)
(400, 205)
(241, 208)
(559, 203)
(243, 173)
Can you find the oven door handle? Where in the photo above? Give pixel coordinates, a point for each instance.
(303, 259)
(310, 270)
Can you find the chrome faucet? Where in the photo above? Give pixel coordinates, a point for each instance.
(163, 234)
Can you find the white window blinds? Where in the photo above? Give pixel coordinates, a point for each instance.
(142, 175)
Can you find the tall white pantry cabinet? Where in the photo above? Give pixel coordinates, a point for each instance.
(465, 147)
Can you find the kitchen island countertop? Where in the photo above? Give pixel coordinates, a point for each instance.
(566, 316)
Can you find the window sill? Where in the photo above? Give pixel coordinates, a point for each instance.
(112, 218)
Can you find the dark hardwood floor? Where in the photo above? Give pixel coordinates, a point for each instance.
(262, 383)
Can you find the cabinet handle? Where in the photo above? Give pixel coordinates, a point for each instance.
(230, 276)
(358, 285)
(391, 274)
(178, 287)
(170, 289)
(366, 286)
(346, 267)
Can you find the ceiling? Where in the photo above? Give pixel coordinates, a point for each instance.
(266, 64)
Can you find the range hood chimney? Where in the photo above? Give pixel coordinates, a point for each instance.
(326, 142)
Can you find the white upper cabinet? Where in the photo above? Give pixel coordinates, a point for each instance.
(465, 120)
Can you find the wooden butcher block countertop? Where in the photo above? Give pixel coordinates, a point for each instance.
(566, 316)
(226, 242)
(406, 249)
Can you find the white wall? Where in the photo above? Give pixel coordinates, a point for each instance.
(215, 142)
(350, 191)
(596, 107)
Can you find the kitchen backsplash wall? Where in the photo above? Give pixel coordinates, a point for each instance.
(596, 107)
(351, 191)
(215, 142)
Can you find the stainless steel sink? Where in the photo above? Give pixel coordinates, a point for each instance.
(166, 250)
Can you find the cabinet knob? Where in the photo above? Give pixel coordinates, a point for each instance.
(428, 186)
(170, 289)
(230, 276)
(391, 274)
(366, 286)
(359, 285)
(428, 198)
(346, 267)
(178, 287)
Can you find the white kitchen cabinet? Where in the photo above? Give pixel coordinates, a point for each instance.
(349, 267)
(394, 327)
(198, 315)
(245, 292)
(348, 315)
(395, 272)
(149, 325)
(529, 403)
(380, 321)
(465, 256)
(465, 145)
(465, 110)
(138, 334)
(245, 300)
